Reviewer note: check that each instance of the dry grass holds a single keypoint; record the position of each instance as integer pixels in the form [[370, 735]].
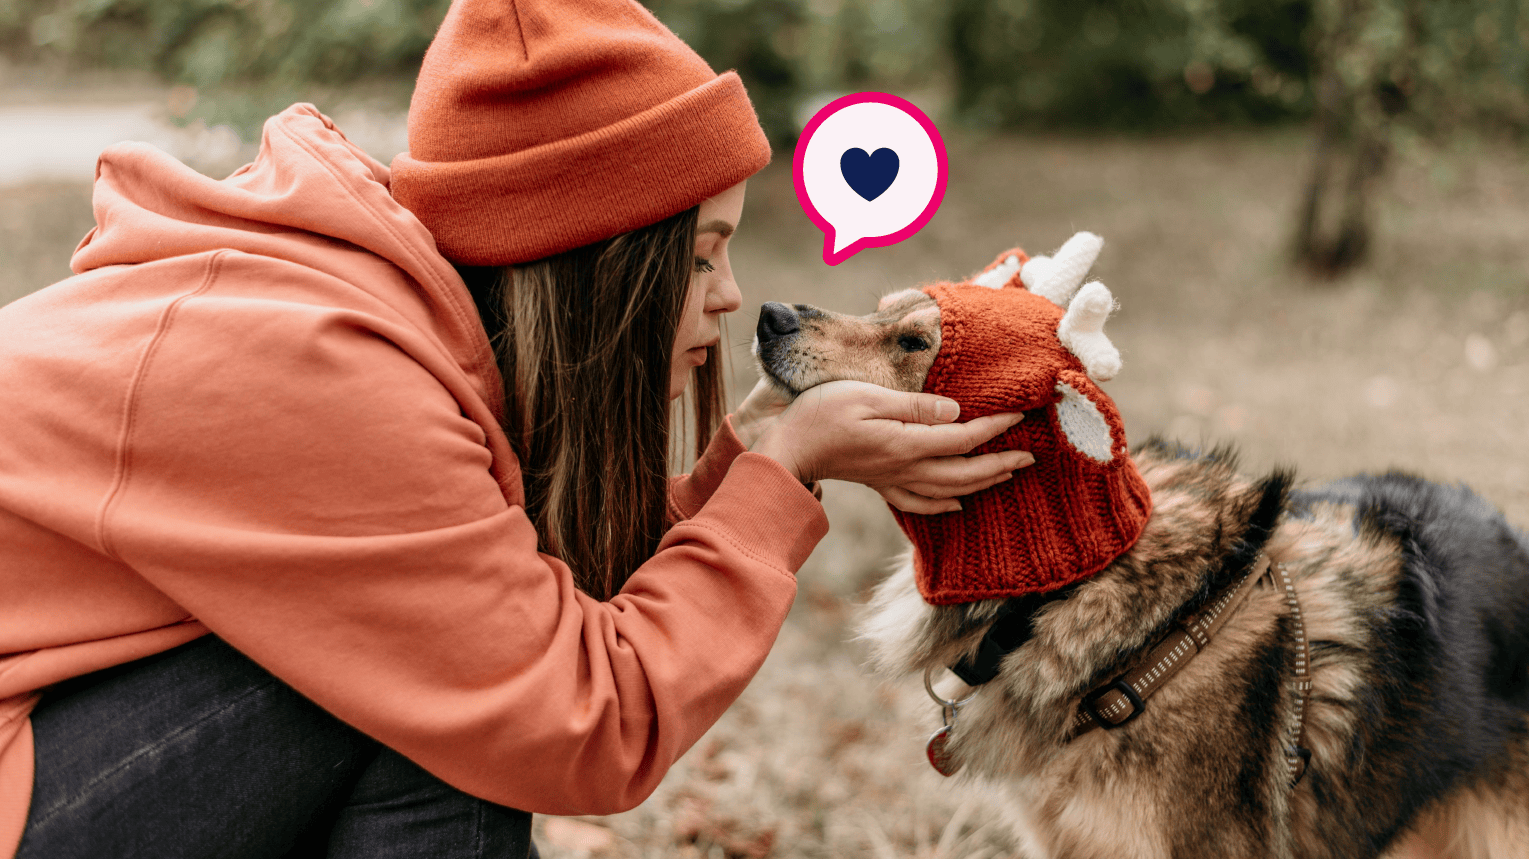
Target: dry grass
[[39, 228], [1419, 362]]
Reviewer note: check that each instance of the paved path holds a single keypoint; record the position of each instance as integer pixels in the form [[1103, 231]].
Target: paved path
[[60, 142]]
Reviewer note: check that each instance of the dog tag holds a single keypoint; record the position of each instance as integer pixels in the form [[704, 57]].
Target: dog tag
[[939, 755]]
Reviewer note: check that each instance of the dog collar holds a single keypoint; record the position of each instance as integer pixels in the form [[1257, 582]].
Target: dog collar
[[1011, 628], [1120, 701]]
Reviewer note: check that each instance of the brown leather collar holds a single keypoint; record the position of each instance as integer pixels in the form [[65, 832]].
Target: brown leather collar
[[1123, 699]]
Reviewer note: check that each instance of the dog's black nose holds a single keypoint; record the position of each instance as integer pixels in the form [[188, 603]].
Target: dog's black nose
[[776, 320]]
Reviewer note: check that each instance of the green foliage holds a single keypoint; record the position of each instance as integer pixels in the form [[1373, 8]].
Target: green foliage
[[1143, 64], [1137, 64], [761, 39], [211, 43], [1437, 64], [1156, 63], [246, 58], [1389, 72], [789, 51]]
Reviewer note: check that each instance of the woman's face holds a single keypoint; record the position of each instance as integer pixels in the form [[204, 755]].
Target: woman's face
[[712, 291]]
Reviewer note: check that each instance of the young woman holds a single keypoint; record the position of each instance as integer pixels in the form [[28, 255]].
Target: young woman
[[334, 508]]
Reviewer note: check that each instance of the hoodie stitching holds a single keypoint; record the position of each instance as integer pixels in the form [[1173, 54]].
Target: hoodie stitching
[[461, 318], [130, 408], [520, 30], [735, 543], [678, 513]]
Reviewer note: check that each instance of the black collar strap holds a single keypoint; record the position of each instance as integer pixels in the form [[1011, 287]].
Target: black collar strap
[[1011, 628], [1012, 624]]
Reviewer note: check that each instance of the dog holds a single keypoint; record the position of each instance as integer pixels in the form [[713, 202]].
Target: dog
[[1411, 630]]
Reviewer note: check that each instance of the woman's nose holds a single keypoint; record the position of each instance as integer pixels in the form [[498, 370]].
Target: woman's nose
[[723, 296]]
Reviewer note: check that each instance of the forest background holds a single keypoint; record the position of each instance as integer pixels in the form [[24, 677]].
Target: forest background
[[1315, 215]]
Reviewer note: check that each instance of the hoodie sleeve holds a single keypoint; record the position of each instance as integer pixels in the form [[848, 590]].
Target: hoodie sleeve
[[295, 476], [688, 493]]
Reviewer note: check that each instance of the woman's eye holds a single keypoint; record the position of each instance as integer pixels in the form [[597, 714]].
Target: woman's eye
[[913, 343], [703, 265]]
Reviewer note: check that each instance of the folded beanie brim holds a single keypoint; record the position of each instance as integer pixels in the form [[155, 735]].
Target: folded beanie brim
[[526, 205]]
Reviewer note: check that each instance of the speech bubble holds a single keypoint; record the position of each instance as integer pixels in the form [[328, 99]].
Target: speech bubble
[[870, 171]]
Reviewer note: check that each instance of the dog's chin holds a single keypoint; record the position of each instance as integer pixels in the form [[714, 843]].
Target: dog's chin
[[774, 377], [784, 387]]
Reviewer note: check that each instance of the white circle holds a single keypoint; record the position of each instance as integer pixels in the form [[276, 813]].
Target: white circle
[[869, 126]]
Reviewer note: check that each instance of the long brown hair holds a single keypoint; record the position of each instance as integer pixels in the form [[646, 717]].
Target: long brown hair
[[584, 341]]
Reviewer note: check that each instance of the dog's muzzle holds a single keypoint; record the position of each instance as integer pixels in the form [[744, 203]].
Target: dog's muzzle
[[776, 321], [777, 328]]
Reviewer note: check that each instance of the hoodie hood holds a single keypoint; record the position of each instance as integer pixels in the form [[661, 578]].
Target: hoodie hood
[[311, 198]]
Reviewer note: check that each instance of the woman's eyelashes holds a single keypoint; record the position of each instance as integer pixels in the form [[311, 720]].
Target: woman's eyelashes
[[703, 265]]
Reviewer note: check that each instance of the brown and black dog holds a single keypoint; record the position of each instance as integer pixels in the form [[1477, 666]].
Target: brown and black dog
[[1412, 598]]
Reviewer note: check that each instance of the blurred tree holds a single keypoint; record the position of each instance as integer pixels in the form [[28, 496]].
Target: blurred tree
[[207, 43], [762, 39], [1375, 75], [1135, 65], [792, 53], [1388, 72], [247, 58]]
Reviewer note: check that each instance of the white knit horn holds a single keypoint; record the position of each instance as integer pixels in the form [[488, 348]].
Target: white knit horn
[[1000, 274], [1082, 331], [1057, 277]]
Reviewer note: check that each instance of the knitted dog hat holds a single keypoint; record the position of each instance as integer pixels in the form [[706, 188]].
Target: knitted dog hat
[[1028, 335], [538, 126]]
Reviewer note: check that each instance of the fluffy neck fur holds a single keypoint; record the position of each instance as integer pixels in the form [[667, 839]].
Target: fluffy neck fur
[[1202, 509]]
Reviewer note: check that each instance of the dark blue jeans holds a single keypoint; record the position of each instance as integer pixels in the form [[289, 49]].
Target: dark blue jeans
[[199, 752]]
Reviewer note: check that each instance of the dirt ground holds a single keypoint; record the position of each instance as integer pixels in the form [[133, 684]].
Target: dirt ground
[[1419, 362]]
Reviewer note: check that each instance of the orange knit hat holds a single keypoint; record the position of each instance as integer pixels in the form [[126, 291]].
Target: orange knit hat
[[1004, 348], [538, 126]]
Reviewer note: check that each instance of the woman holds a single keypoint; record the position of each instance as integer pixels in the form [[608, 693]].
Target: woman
[[399, 442]]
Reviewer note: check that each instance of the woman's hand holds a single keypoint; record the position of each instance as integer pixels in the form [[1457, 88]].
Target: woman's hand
[[903, 445], [759, 410]]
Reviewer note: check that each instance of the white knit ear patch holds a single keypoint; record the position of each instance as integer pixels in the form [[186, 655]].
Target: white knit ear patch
[[1083, 424]]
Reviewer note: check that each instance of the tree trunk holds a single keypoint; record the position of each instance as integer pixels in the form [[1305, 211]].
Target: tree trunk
[[1334, 228], [1352, 138]]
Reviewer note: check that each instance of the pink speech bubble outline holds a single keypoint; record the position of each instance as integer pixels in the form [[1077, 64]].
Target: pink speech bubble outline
[[855, 247]]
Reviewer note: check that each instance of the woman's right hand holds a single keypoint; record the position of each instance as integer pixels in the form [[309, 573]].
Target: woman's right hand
[[902, 444]]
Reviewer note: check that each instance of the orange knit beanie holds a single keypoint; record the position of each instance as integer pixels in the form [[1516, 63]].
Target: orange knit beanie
[[1004, 348], [538, 126]]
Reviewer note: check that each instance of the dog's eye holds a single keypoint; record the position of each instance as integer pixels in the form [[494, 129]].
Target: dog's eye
[[913, 343]]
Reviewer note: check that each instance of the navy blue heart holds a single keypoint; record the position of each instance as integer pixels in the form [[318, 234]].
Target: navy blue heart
[[869, 175]]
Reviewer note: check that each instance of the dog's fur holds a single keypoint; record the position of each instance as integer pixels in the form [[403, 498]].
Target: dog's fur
[[1414, 601]]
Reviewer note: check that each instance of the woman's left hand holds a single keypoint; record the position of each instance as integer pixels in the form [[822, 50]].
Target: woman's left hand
[[759, 410], [888, 440]]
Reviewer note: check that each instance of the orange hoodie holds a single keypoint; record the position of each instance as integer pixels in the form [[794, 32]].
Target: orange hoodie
[[265, 407]]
